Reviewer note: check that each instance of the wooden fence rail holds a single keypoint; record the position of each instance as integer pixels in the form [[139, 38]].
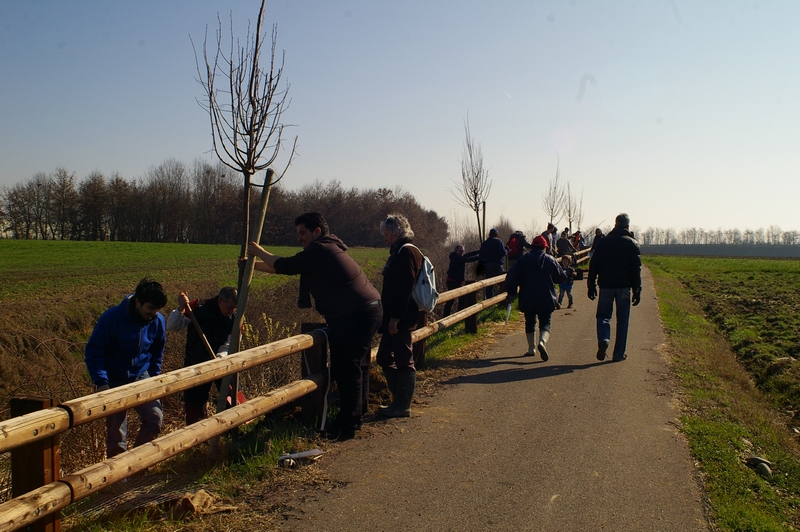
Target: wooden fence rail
[[30, 507], [26, 509]]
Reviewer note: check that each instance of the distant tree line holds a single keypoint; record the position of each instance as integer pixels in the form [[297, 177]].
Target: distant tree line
[[200, 203], [696, 236]]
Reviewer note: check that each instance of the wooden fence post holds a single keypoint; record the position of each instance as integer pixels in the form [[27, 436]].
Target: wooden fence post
[[314, 360], [35, 464], [418, 349], [467, 300]]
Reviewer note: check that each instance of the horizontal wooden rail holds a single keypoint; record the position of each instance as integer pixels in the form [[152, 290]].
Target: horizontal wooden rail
[[472, 287], [91, 407], [34, 505], [440, 325], [47, 423]]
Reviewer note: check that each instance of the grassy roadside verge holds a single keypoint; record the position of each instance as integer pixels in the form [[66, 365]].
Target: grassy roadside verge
[[727, 419]]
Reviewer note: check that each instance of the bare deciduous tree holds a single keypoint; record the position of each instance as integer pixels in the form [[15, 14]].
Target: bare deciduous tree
[[475, 185], [245, 110], [573, 208], [245, 113], [64, 203], [554, 197], [92, 206]]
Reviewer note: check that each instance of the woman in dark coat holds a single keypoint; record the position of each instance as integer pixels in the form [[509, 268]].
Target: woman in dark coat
[[456, 273], [400, 315], [534, 275]]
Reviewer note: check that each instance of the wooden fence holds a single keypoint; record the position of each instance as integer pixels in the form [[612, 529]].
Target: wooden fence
[[37, 499]]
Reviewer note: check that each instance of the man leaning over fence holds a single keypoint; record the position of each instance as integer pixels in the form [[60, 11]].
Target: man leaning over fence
[[127, 345], [348, 301]]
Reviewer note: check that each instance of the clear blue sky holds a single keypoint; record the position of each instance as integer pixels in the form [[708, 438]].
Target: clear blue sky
[[681, 113]]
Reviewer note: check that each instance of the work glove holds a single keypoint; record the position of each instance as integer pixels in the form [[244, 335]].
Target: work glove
[[637, 297], [223, 349], [592, 292]]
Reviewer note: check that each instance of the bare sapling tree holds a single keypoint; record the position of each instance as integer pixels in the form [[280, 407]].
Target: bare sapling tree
[[474, 188], [554, 198], [573, 208], [245, 102]]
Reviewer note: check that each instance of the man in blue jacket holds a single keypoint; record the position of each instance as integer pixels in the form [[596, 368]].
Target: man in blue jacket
[[127, 345], [533, 276]]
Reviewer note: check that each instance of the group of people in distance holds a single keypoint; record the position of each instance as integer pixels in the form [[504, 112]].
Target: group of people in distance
[[615, 264], [128, 341]]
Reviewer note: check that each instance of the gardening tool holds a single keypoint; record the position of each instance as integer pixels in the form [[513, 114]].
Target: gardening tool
[[239, 395]]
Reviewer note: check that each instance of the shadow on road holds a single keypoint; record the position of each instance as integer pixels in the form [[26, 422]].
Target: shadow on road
[[522, 368]]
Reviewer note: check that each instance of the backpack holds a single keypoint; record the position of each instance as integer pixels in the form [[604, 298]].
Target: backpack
[[513, 246], [424, 293]]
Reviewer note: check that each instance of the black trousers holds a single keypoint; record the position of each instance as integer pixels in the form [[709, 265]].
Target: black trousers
[[350, 337], [448, 306]]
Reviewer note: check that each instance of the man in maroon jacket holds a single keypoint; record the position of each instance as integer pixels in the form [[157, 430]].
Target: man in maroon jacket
[[348, 301]]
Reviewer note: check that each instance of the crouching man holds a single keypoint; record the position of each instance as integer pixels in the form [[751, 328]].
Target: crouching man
[[215, 317], [127, 345]]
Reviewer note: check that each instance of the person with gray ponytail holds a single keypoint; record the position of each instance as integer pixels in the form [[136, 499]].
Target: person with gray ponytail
[[400, 314]]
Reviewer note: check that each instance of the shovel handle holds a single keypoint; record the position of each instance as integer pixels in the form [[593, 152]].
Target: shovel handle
[[199, 330]]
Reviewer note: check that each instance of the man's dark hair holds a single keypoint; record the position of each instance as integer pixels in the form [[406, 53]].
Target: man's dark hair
[[229, 293], [149, 291], [312, 220], [623, 221]]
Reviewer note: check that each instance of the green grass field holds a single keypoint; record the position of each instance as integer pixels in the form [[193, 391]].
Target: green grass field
[[37, 269], [732, 329]]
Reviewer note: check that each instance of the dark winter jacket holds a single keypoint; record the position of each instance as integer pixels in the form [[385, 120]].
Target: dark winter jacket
[[492, 251], [616, 261], [216, 329], [569, 271], [533, 276], [456, 271], [564, 247], [331, 276], [120, 349], [399, 277]]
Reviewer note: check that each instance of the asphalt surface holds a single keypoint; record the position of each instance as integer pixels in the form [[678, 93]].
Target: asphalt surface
[[516, 443]]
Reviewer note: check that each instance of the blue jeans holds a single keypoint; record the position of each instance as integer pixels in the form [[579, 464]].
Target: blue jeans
[[605, 308], [565, 288], [151, 416]]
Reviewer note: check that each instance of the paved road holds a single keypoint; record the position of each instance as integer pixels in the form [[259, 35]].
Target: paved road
[[571, 444]]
